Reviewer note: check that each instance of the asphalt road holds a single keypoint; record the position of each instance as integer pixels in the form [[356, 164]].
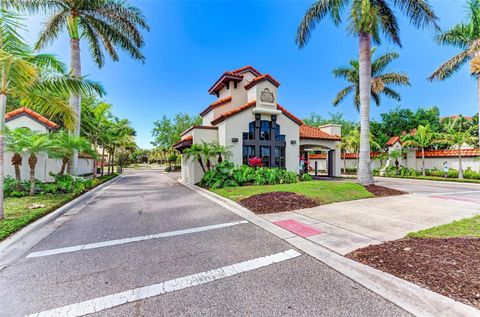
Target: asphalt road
[[145, 203], [438, 189]]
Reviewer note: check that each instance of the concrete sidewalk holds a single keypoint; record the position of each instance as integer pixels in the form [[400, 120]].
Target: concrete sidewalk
[[348, 226]]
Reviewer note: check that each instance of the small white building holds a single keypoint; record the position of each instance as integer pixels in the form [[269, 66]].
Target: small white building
[[27, 118], [247, 118]]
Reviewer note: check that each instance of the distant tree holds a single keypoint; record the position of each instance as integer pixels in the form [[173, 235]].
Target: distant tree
[[466, 37], [383, 81], [166, 131], [422, 138], [335, 117]]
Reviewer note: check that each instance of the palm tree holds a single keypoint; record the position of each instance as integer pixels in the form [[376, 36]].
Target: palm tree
[[422, 139], [31, 78], [381, 80], [107, 25], [36, 143], [368, 18], [456, 137], [195, 151], [15, 143], [65, 144], [466, 37]]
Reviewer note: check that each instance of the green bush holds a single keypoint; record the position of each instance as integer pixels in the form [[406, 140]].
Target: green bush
[[226, 174], [306, 177], [9, 186]]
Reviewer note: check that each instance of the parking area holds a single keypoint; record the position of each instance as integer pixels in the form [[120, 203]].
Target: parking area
[[148, 246]]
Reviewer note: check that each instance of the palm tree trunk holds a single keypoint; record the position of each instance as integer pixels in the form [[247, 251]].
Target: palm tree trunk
[[365, 172], [103, 161], [201, 164], [113, 160], [460, 168], [32, 162], [423, 161], [75, 99], [478, 104], [17, 162], [3, 105], [94, 172], [65, 161]]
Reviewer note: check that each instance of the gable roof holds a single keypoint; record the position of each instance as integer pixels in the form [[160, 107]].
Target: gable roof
[[245, 69], [393, 140], [234, 75], [32, 114], [309, 132], [251, 104], [216, 104], [184, 142], [258, 79]]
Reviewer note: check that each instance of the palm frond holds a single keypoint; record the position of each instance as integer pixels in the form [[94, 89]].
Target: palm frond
[[52, 29], [93, 39], [48, 62], [376, 98], [343, 72], [400, 79], [450, 67], [342, 94], [389, 92], [458, 36], [315, 14], [381, 63], [388, 22], [59, 84], [419, 12]]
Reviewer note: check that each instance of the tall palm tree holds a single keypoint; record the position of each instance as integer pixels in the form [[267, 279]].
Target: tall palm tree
[[422, 139], [466, 37], [107, 25], [15, 143], [368, 18], [382, 81], [36, 143], [31, 78], [65, 144], [456, 137]]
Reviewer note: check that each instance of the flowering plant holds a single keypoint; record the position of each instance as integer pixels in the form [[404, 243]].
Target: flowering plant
[[255, 162]]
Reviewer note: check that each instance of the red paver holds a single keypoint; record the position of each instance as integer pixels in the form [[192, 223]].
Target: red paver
[[298, 227]]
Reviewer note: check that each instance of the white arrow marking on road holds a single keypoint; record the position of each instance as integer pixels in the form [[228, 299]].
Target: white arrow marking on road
[[105, 302], [133, 239]]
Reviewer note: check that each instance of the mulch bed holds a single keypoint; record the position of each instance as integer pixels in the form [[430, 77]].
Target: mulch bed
[[380, 191], [449, 266], [277, 202]]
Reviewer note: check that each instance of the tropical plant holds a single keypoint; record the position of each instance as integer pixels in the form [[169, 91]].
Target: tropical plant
[[195, 152], [382, 81], [107, 25], [368, 18], [397, 155], [456, 138], [15, 143], [33, 79], [422, 138], [65, 144], [466, 37], [36, 143]]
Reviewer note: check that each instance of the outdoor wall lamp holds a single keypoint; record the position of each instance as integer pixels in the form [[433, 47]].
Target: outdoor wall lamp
[[234, 140], [293, 142]]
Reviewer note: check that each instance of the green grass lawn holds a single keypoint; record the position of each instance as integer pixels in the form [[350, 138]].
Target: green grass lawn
[[325, 192], [17, 215], [469, 227]]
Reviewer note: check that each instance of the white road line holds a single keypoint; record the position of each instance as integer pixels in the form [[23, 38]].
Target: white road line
[[105, 302], [133, 239]]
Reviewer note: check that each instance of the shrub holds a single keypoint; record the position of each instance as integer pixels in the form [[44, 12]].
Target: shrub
[[9, 186], [226, 174], [255, 162], [306, 177]]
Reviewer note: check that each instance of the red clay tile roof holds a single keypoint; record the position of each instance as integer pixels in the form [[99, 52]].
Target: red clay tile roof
[[216, 104], [24, 110], [393, 140], [317, 156], [244, 69], [449, 153], [309, 132], [227, 76], [198, 127], [184, 142], [234, 111], [357, 155], [289, 114], [258, 79]]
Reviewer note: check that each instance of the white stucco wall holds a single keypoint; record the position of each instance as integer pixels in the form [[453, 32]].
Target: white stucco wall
[[24, 121]]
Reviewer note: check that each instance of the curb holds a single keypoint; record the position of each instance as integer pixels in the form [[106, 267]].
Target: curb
[[406, 295], [14, 246]]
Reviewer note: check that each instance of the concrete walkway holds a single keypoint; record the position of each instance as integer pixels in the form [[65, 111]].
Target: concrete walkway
[[348, 226]]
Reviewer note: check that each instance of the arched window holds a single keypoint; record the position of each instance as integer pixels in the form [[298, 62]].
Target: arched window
[[264, 140]]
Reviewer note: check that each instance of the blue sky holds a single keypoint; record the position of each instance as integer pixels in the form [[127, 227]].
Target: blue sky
[[192, 42]]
